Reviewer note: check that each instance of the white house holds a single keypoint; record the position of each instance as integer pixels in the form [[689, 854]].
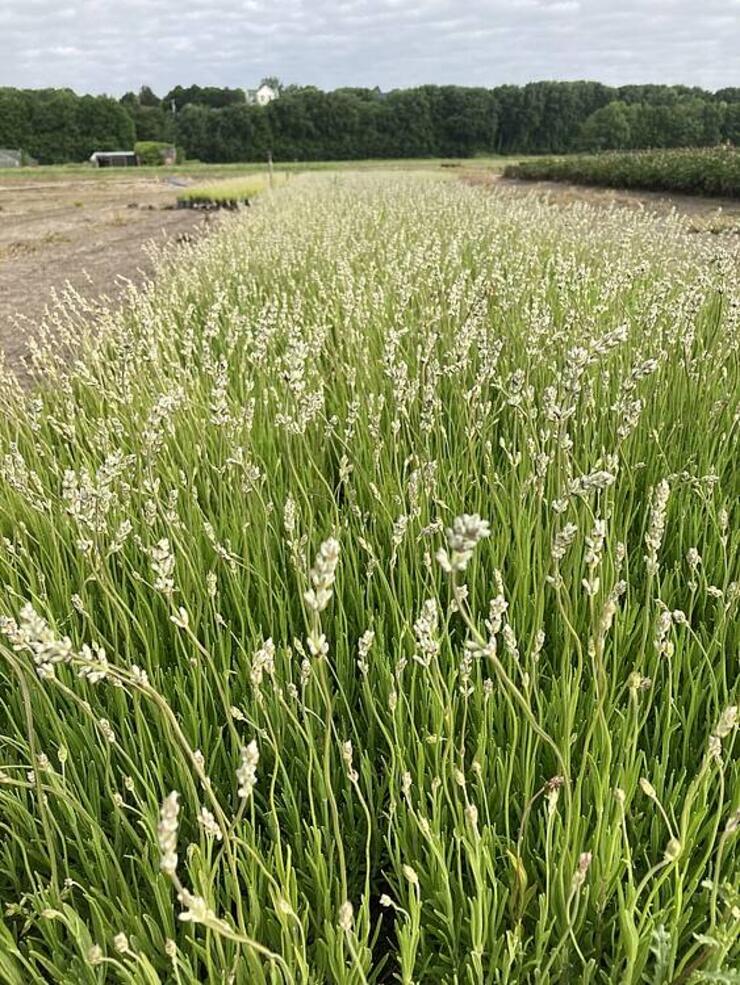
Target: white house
[[262, 96]]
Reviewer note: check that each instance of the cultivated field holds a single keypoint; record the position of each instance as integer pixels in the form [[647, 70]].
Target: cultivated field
[[370, 610], [84, 232], [90, 231], [691, 171]]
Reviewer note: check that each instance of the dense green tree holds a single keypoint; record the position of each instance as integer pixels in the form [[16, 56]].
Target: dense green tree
[[607, 128], [464, 120], [213, 96], [562, 107], [689, 122], [102, 124], [291, 124], [655, 93], [148, 98], [240, 133], [408, 124], [54, 136], [154, 123], [152, 117], [15, 119], [731, 124], [193, 132], [217, 124], [508, 100]]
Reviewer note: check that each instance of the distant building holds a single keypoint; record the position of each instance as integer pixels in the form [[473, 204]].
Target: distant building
[[262, 96], [114, 159], [10, 158]]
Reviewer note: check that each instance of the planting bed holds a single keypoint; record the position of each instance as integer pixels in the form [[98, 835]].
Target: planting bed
[[369, 610], [700, 171]]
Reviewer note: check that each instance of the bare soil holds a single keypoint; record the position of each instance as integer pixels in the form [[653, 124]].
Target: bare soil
[[82, 232], [710, 215]]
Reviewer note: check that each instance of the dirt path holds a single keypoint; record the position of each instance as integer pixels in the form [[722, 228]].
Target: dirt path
[[708, 214], [82, 232]]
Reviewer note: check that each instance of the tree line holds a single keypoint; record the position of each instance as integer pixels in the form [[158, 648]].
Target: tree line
[[215, 124]]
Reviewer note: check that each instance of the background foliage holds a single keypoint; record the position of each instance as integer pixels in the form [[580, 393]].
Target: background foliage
[[705, 171], [220, 125]]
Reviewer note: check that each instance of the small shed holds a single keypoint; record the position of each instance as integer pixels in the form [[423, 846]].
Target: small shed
[[10, 158], [114, 159]]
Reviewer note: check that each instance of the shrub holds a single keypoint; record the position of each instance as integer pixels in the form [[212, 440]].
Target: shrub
[[153, 152], [708, 171]]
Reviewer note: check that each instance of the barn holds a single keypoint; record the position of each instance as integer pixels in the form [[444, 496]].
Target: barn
[[114, 159]]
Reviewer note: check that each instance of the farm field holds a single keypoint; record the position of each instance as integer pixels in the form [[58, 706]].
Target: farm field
[[370, 611], [718, 215], [90, 229], [713, 171], [79, 232], [196, 169]]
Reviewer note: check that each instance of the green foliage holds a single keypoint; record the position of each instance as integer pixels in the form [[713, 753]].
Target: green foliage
[[211, 96], [709, 171], [621, 125], [608, 128], [305, 124], [222, 516], [55, 125], [540, 118], [101, 125], [232, 192], [152, 117], [152, 151], [15, 119], [732, 123]]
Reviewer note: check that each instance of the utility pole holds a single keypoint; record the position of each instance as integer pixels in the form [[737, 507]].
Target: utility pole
[[269, 167]]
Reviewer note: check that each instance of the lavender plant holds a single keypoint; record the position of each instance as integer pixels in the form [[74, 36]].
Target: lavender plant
[[370, 593]]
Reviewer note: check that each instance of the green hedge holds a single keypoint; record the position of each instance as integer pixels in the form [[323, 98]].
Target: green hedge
[[152, 151], [706, 171]]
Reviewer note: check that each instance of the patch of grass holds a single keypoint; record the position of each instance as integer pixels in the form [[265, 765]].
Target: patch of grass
[[370, 590], [54, 236], [196, 169], [230, 194], [696, 171]]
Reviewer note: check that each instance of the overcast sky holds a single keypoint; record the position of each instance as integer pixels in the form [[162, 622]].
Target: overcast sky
[[115, 45]]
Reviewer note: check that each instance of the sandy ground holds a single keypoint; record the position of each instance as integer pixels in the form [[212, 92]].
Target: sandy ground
[[84, 232], [713, 215]]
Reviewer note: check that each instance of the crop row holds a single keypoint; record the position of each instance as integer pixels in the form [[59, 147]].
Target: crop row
[[369, 609], [710, 171]]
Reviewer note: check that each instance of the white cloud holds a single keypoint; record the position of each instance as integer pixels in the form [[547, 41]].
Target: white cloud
[[95, 45]]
